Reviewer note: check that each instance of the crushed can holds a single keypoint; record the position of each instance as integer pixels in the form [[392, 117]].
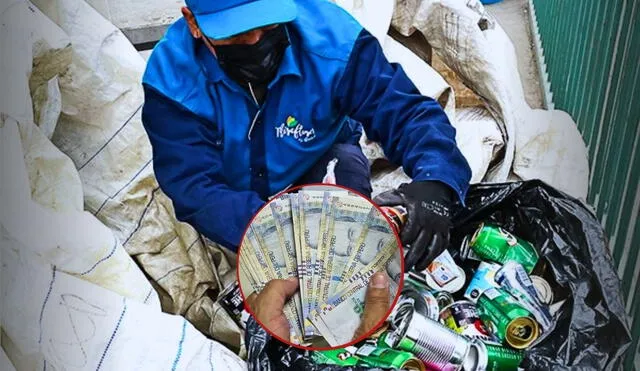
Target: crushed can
[[424, 301], [514, 280], [444, 299], [230, 299], [496, 357], [545, 293], [483, 279], [433, 343], [493, 243], [338, 357], [372, 355], [466, 252], [507, 319], [397, 215], [462, 318]]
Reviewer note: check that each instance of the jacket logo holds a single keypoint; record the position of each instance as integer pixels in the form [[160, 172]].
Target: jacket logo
[[292, 128]]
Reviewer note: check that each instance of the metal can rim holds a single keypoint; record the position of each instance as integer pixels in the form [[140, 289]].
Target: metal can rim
[[414, 364], [476, 234], [464, 301], [521, 343], [546, 289]]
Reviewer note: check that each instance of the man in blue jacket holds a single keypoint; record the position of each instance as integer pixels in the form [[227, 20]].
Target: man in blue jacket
[[244, 98]]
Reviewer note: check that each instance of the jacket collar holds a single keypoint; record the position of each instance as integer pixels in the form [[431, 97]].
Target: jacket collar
[[215, 73]]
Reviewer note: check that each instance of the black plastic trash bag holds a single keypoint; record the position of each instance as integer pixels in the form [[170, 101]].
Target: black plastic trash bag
[[269, 354], [591, 328]]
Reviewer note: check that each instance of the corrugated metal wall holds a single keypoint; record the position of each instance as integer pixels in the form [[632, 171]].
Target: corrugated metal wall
[[592, 52]]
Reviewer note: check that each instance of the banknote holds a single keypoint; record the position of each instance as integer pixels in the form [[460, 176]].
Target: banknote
[[310, 206], [338, 318], [281, 211], [297, 235], [255, 260], [346, 222], [320, 273], [266, 233], [333, 242], [247, 280], [375, 233]]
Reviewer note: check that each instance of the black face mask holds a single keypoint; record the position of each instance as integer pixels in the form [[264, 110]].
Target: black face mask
[[257, 63]]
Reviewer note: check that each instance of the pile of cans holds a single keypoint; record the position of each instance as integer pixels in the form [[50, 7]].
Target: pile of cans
[[479, 315]]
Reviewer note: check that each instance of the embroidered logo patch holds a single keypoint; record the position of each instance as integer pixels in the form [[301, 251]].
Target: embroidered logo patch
[[292, 128]]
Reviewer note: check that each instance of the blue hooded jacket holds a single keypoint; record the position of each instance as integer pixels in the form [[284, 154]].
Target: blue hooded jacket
[[218, 158]]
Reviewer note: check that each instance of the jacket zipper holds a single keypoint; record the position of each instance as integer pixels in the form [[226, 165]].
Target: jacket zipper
[[255, 118]]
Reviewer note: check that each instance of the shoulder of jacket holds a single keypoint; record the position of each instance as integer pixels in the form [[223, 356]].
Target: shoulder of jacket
[[172, 68], [326, 30]]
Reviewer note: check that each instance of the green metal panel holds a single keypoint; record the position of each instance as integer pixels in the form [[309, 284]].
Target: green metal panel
[[592, 52]]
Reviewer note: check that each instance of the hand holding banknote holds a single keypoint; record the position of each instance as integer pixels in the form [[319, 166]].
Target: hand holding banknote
[[268, 306], [376, 304], [332, 243]]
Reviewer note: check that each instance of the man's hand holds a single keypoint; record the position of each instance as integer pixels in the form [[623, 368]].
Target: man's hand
[[426, 232], [267, 306], [376, 304]]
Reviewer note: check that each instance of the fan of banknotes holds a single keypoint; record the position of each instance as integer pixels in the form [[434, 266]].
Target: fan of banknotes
[[333, 242]]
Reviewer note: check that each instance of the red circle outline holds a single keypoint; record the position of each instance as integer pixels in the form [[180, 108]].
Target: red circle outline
[[382, 320]]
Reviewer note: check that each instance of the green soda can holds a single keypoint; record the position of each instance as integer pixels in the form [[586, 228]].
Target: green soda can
[[494, 243], [497, 358], [385, 340], [501, 358], [383, 357], [508, 320], [339, 357]]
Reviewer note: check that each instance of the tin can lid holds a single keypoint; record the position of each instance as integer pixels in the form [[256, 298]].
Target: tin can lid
[[545, 293], [521, 332], [414, 364], [477, 358]]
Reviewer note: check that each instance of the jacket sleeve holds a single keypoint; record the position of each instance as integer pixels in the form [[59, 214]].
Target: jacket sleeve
[[413, 129], [187, 160]]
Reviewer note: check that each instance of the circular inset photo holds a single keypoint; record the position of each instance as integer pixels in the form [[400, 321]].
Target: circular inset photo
[[320, 267]]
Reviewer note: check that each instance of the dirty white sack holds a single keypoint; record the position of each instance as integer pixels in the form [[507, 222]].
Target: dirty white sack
[[66, 323], [474, 45], [100, 129], [478, 136], [45, 232], [479, 139]]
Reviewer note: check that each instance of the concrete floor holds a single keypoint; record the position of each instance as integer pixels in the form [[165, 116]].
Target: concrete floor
[[146, 22]]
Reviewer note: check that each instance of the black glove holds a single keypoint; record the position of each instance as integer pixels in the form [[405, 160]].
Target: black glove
[[426, 231]]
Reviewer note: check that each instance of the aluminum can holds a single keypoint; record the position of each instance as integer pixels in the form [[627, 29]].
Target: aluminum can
[[386, 339], [462, 317], [397, 215], [483, 279], [514, 280], [230, 299], [497, 358], [545, 293], [423, 300], [444, 299], [434, 344], [466, 252], [507, 319], [374, 356], [496, 244], [339, 357]]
